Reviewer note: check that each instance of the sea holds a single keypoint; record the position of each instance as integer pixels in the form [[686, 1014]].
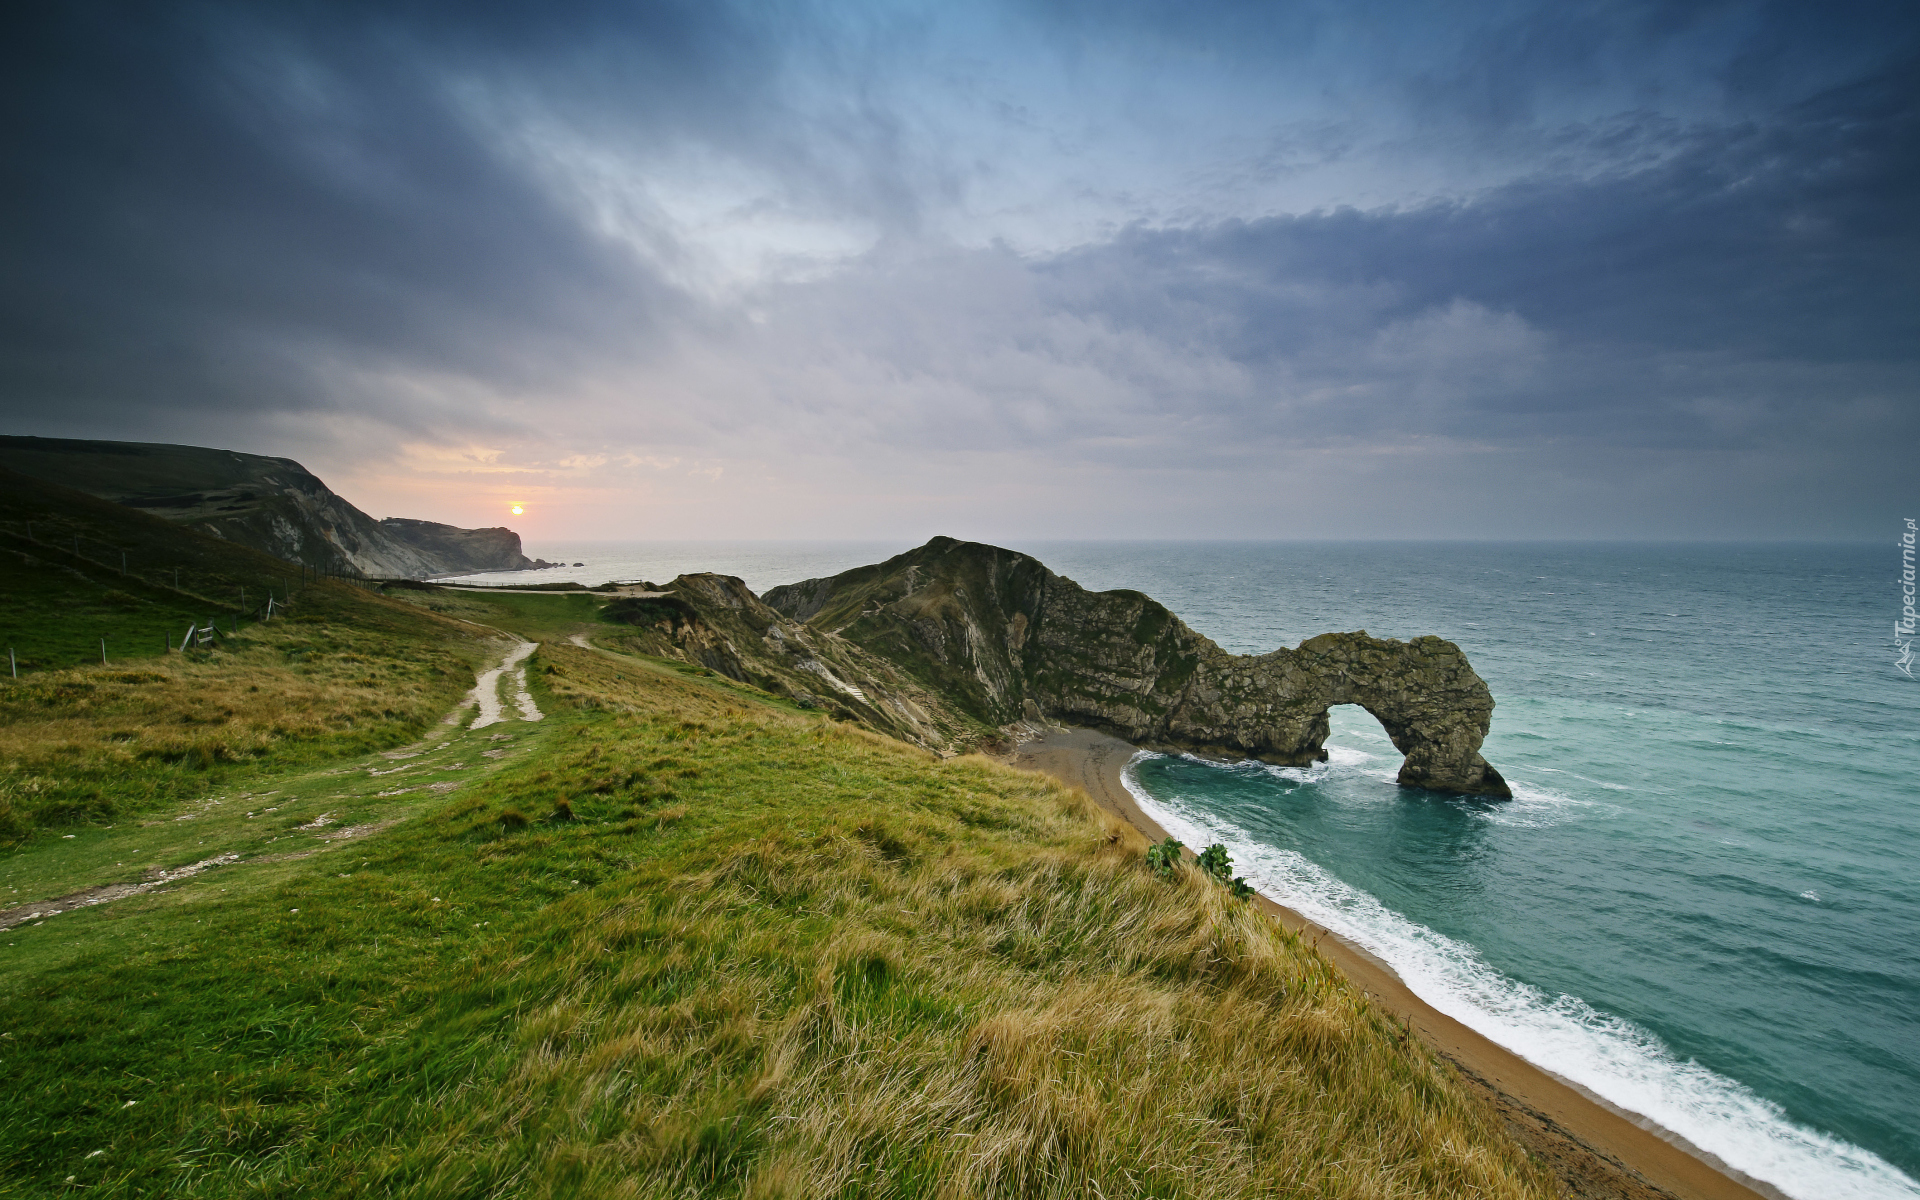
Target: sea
[[1703, 902]]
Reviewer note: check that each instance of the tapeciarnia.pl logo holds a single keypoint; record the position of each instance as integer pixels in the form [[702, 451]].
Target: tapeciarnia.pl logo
[[1903, 628]]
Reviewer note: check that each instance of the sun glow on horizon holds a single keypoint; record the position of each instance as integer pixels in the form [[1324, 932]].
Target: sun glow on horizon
[[517, 510]]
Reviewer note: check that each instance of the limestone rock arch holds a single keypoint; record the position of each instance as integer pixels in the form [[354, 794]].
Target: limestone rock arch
[[1435, 708], [992, 631]]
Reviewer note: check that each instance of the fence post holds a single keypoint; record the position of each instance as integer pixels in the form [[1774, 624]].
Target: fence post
[[103, 652], [13, 662], [186, 639]]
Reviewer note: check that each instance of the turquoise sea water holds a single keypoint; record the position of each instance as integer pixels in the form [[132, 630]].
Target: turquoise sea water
[[1703, 903]]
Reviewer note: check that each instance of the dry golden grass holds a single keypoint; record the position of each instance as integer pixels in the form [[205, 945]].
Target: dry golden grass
[[875, 974]]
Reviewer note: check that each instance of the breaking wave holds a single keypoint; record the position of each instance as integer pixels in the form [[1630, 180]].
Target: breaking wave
[[1613, 1058]]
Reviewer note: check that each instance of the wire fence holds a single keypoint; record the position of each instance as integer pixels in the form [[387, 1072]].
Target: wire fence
[[270, 596], [265, 600]]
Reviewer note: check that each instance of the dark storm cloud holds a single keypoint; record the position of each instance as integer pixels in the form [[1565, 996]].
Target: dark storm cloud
[[1789, 247], [1729, 289], [1596, 230], [201, 200]]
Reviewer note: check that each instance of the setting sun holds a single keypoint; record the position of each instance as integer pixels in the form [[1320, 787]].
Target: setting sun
[[517, 510]]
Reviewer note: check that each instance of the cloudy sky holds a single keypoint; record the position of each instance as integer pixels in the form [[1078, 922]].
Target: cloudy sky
[[1300, 268]]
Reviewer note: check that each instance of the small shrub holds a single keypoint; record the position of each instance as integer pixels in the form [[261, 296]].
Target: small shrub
[[1215, 861], [1164, 857], [562, 811], [513, 818]]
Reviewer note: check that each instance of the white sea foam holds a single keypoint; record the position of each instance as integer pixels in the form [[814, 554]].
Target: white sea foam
[[1535, 807], [1531, 807], [1611, 1057], [1343, 756]]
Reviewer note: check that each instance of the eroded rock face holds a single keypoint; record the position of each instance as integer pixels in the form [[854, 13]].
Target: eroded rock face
[[991, 631], [714, 621]]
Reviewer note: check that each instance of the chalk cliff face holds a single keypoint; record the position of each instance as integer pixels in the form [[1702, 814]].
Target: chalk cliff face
[[999, 636], [270, 504], [713, 621]]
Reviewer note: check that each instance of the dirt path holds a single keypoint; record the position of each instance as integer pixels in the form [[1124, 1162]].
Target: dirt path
[[87, 897], [486, 689], [486, 695]]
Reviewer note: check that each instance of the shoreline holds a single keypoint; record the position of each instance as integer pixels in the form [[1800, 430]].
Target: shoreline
[[1594, 1148]]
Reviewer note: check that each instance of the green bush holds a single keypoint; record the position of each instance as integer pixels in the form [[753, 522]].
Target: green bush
[[1215, 861], [1164, 857]]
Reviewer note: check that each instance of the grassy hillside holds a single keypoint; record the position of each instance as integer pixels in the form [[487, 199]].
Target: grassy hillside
[[535, 617], [679, 937], [343, 671], [684, 942], [136, 470]]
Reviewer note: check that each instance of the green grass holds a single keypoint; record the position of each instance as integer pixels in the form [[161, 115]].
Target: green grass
[[98, 745], [341, 672], [58, 609], [766, 955], [59, 601], [551, 618]]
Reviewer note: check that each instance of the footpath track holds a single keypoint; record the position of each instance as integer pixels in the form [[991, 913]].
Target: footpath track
[[253, 828]]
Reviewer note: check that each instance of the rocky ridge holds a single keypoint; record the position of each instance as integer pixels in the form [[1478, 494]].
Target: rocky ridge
[[715, 622], [1001, 638]]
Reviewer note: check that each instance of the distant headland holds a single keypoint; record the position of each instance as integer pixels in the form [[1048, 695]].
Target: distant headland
[[273, 505]]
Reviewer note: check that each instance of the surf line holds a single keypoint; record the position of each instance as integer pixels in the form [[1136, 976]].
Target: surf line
[[1713, 1118]]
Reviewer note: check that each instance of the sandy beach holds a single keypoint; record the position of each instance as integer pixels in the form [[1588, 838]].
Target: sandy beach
[[1595, 1149]]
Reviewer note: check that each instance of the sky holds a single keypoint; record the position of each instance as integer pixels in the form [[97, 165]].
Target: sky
[[1057, 269]]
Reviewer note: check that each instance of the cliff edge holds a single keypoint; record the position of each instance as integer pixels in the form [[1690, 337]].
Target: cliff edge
[[1000, 637]]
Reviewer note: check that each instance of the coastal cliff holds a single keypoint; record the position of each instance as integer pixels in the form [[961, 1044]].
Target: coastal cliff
[[270, 504], [458, 550], [1000, 638]]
